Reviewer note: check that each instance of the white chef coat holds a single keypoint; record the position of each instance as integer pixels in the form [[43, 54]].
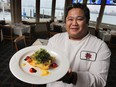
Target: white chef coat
[[89, 58]]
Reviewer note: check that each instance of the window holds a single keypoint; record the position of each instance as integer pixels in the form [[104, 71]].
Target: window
[[94, 7], [5, 10], [109, 16], [109, 13], [59, 10], [45, 10], [94, 12], [28, 10]]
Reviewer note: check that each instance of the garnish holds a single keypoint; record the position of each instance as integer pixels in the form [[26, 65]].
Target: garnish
[[54, 65], [32, 70], [28, 59], [43, 60], [42, 56]]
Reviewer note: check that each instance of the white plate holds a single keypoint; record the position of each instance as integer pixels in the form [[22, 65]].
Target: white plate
[[23, 74]]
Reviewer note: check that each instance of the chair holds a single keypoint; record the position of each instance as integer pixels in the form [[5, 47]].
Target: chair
[[2, 22], [20, 43], [30, 36], [26, 22], [41, 30], [112, 42], [105, 29], [0, 34], [8, 33], [92, 30], [56, 29]]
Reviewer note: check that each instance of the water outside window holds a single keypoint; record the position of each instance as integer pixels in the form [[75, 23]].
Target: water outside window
[[94, 12], [59, 10], [5, 11], [45, 10], [109, 16], [109, 12], [28, 10]]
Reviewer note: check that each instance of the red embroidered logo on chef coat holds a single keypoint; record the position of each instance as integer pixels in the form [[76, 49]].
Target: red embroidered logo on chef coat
[[88, 55]]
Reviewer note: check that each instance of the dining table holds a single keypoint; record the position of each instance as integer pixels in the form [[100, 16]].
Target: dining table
[[40, 42], [20, 29], [106, 35], [58, 24]]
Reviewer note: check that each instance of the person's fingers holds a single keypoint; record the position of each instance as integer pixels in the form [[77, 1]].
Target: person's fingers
[[70, 70]]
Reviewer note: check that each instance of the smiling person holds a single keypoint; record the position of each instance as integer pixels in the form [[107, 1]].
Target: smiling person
[[89, 56]]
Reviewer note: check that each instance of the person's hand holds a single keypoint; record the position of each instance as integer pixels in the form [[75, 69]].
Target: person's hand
[[70, 77]]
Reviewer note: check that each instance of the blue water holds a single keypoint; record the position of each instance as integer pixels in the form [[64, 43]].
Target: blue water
[[59, 13], [108, 19]]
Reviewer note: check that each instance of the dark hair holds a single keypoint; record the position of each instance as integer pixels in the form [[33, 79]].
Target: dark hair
[[81, 6]]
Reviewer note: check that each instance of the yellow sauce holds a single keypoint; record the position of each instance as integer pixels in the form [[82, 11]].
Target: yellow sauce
[[23, 64], [45, 72], [40, 65], [44, 67]]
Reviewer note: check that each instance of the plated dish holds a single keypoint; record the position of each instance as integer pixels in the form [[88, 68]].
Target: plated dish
[[23, 69]]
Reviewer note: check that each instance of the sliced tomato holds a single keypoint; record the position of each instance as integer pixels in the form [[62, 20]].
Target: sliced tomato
[[28, 59], [32, 70], [54, 65]]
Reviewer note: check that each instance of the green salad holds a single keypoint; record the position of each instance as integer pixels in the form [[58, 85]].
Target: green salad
[[42, 56]]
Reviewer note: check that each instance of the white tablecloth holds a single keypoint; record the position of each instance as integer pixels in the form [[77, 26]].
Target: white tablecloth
[[40, 42], [113, 32], [59, 24], [20, 29], [104, 35]]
